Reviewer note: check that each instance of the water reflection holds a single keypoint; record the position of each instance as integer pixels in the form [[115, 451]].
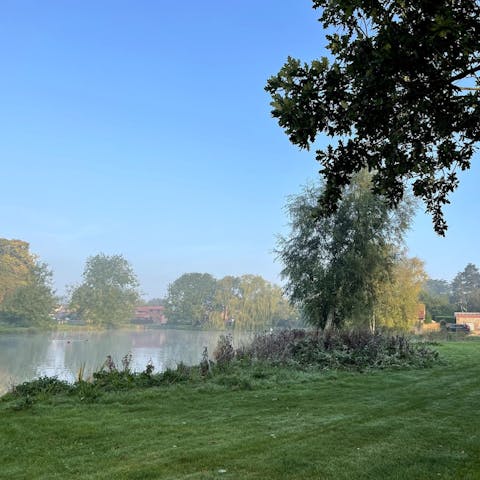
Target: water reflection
[[54, 362], [62, 354]]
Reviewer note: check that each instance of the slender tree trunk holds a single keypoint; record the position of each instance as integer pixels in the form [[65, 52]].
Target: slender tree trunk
[[330, 318]]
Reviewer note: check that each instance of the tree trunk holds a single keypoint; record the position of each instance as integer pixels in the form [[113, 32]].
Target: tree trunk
[[330, 319]]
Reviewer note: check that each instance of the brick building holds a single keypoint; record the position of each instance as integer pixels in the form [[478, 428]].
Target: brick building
[[472, 319], [150, 314]]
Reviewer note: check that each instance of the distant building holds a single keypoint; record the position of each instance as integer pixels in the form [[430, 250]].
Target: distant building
[[422, 312], [472, 319], [420, 318], [62, 315], [150, 314]]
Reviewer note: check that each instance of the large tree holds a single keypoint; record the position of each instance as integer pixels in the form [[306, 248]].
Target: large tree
[[435, 286], [334, 265], [258, 304], [16, 264], [466, 289], [227, 296], [250, 302], [190, 299], [109, 291], [398, 95], [26, 292]]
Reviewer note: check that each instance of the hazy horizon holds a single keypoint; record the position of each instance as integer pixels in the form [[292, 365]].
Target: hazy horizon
[[143, 129]]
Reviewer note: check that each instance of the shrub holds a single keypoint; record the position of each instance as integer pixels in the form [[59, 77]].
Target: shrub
[[113, 380], [88, 392], [24, 403], [42, 385], [181, 373], [348, 349], [274, 347], [236, 369], [224, 352]]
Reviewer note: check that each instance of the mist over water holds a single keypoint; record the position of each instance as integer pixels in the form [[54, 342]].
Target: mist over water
[[62, 354]]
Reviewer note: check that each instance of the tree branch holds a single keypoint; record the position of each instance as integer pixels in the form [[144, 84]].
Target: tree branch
[[464, 74]]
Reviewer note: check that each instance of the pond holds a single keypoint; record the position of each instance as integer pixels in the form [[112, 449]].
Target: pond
[[62, 354]]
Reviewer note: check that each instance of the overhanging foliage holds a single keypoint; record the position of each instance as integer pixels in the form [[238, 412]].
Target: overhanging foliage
[[399, 97]]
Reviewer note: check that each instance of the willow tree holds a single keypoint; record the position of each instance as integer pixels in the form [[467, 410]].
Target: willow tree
[[250, 302], [334, 265], [398, 95], [397, 302], [256, 303]]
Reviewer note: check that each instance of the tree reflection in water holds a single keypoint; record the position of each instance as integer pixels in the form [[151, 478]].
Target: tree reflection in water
[[62, 354]]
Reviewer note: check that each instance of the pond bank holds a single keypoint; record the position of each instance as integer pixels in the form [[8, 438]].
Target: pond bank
[[281, 424], [62, 353]]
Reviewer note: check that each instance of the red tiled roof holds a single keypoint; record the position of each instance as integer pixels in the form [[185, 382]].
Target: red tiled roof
[[467, 315]]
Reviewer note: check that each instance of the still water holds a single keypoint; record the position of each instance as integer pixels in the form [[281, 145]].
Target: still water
[[62, 354]]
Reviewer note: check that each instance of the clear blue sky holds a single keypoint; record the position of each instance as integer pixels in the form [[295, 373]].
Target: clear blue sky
[[142, 128]]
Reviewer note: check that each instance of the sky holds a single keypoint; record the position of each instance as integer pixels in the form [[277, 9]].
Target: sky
[[142, 128]]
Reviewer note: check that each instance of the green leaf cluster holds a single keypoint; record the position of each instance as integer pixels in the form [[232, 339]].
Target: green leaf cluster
[[400, 97], [109, 291], [26, 293], [337, 268], [248, 302]]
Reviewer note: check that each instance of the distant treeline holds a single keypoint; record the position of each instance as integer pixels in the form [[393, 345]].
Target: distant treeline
[[109, 292], [247, 302], [462, 294]]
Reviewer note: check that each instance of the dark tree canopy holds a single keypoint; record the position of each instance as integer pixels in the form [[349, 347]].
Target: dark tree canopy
[[400, 97]]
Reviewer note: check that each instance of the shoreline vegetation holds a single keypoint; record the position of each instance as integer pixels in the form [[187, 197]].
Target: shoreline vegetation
[[288, 406], [297, 349]]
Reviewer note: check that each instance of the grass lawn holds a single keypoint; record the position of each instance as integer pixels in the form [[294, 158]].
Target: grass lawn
[[280, 424]]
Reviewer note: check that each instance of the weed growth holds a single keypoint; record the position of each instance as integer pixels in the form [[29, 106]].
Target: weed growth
[[42, 385], [332, 349], [224, 353]]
